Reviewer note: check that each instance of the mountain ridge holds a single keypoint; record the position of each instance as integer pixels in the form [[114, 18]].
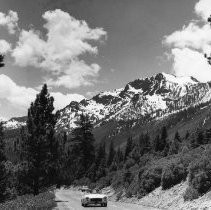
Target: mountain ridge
[[157, 95], [144, 98]]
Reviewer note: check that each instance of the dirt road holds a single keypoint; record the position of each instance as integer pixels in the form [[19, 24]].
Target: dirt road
[[71, 200]]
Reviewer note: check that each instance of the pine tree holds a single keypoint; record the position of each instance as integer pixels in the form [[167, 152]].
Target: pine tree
[[64, 141], [120, 157], [177, 137], [129, 147], [156, 143], [166, 149], [2, 144], [135, 154], [100, 162], [187, 135], [117, 161], [111, 154], [193, 143], [82, 146], [3, 175], [199, 138], [23, 139], [41, 147], [174, 147], [207, 137], [163, 139], [144, 143], [100, 154], [160, 143]]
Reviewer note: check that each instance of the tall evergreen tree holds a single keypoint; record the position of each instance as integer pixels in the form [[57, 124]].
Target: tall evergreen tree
[[160, 143], [2, 144], [193, 143], [136, 153], [119, 155], [41, 147], [64, 141], [144, 143], [100, 161], [23, 139], [100, 154], [111, 153], [156, 143], [207, 137], [82, 146], [200, 137], [187, 135], [174, 146], [117, 161], [163, 139], [3, 178], [129, 147], [177, 137]]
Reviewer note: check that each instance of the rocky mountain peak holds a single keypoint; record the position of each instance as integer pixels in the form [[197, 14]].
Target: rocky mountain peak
[[154, 96]]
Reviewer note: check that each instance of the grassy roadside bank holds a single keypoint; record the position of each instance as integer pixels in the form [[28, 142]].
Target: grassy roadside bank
[[43, 201]]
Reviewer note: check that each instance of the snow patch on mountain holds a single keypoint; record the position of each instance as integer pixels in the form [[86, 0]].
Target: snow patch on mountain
[[180, 80], [14, 124]]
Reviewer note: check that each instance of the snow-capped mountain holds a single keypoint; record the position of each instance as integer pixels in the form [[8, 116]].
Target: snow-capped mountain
[[14, 123], [153, 97]]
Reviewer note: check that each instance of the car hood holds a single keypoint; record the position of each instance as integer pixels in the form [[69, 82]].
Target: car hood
[[95, 196]]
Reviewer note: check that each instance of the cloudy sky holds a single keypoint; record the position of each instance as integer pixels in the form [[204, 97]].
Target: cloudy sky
[[81, 47]]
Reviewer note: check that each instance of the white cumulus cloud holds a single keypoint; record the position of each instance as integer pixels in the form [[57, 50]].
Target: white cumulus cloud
[[5, 46], [9, 20], [191, 63], [202, 8], [189, 45], [58, 52], [20, 97], [192, 36]]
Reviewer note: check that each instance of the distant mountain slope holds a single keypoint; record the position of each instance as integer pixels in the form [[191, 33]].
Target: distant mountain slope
[[140, 104], [148, 98], [15, 123]]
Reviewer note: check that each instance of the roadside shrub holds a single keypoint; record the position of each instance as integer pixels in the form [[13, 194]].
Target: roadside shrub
[[82, 181], [118, 179], [128, 194], [190, 194], [150, 179], [104, 182], [133, 188], [200, 175], [173, 174], [23, 184]]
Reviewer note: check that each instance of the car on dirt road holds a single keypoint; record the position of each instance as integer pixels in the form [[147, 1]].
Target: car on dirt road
[[85, 189], [94, 199]]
